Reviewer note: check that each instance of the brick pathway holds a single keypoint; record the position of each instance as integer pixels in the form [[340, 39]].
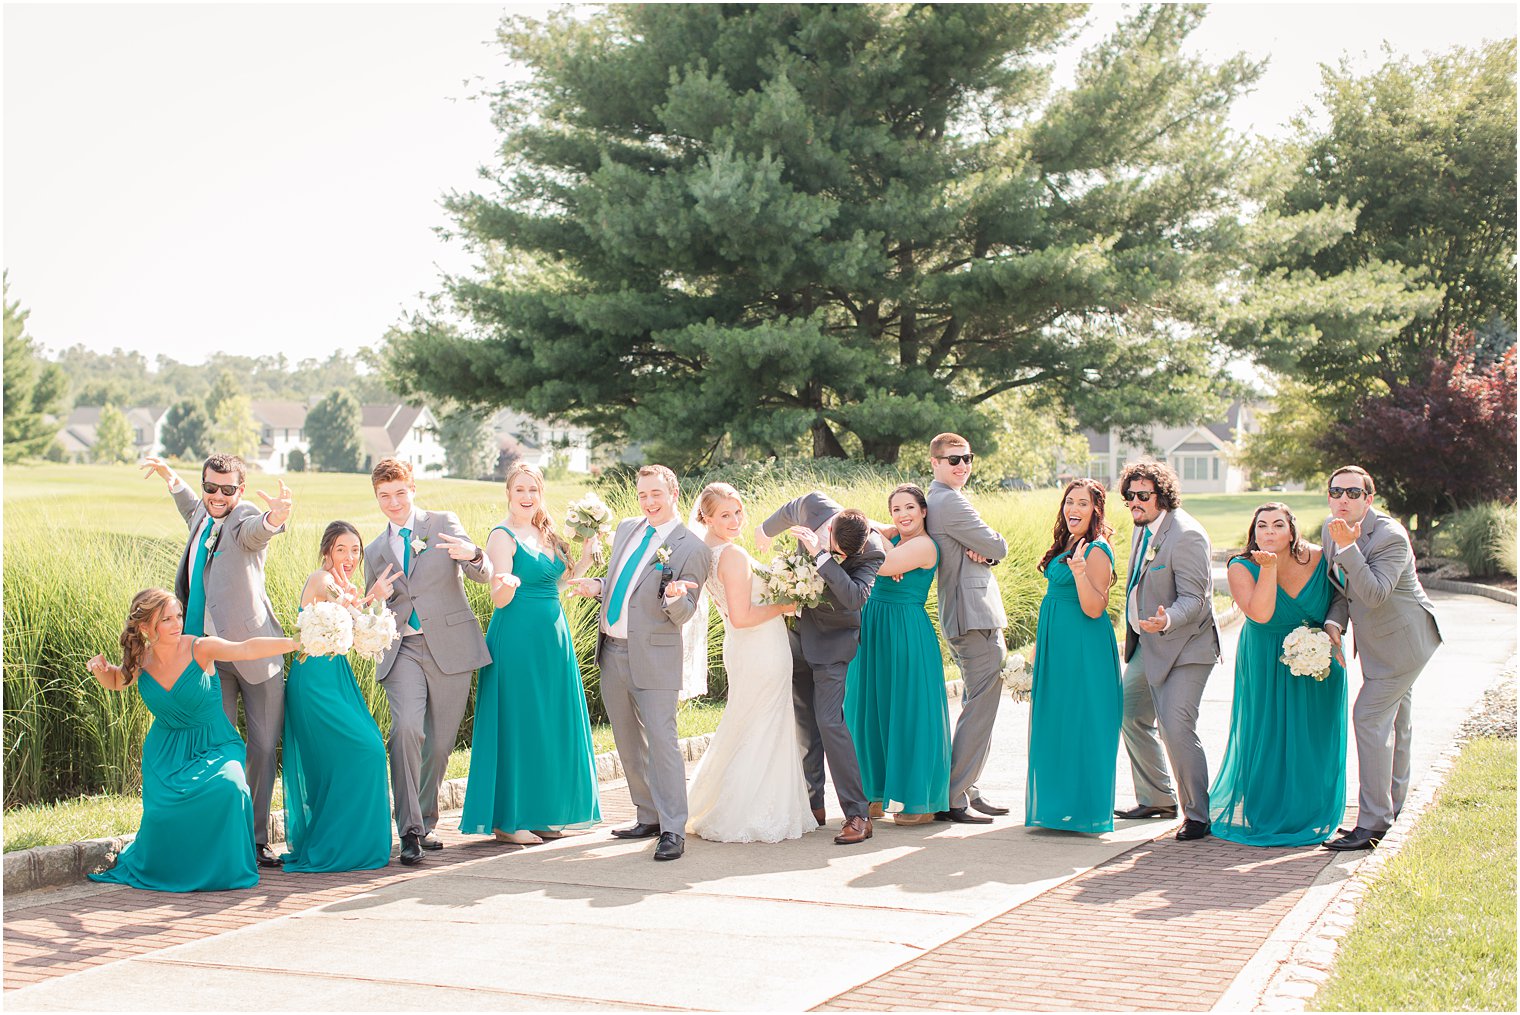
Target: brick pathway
[[58, 932], [1179, 919]]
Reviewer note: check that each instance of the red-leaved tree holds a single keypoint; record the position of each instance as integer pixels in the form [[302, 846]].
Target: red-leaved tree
[[1441, 443]]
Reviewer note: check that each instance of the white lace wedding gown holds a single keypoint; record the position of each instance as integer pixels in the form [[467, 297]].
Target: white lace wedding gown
[[748, 786]]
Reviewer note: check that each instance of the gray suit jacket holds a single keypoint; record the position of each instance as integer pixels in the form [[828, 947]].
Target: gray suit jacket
[[1179, 576], [435, 591], [234, 579], [1394, 619], [654, 626], [830, 633], [969, 597]]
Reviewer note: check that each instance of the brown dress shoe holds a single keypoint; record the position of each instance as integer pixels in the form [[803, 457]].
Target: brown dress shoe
[[818, 815], [913, 819], [855, 830], [875, 811]]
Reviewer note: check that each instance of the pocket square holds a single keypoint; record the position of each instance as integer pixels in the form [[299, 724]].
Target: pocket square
[[1159, 567]]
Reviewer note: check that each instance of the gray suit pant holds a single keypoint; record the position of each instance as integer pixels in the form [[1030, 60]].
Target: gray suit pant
[[427, 706], [1381, 721], [1171, 707], [818, 702], [980, 656], [644, 728], [264, 708]]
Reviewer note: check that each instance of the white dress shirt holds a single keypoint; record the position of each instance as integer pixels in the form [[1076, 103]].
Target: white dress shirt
[[661, 533], [1138, 566]]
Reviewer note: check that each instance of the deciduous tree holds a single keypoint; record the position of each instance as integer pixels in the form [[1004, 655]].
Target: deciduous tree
[[332, 427]]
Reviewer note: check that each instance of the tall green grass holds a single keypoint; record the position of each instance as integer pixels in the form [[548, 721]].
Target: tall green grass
[[74, 560], [1483, 538]]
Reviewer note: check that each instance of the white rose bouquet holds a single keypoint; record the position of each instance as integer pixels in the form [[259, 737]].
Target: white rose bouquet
[[793, 578], [374, 631], [1017, 677], [327, 629], [590, 518], [1306, 652]]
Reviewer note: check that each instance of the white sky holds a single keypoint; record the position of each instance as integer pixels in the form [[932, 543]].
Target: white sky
[[191, 178]]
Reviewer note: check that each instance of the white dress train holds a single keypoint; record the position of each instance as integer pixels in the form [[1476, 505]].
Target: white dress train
[[748, 786]]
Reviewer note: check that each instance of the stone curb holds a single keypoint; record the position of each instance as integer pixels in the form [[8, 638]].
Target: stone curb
[[1472, 589], [27, 870], [1288, 970]]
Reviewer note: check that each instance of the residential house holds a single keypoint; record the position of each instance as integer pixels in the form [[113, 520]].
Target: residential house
[[407, 432], [1204, 454], [282, 429], [543, 443], [77, 435]]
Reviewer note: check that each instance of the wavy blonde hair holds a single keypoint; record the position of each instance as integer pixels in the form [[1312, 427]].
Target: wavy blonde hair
[[542, 521], [146, 610]]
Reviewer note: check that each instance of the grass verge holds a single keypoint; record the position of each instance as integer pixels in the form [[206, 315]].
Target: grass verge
[[1436, 931], [103, 815]]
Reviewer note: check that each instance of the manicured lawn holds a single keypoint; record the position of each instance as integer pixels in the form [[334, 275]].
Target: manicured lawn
[[1227, 515], [1437, 930]]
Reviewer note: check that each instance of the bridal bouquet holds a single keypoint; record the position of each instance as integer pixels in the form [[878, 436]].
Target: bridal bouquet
[[590, 517], [1306, 651], [374, 631], [1017, 677], [327, 629], [793, 578]]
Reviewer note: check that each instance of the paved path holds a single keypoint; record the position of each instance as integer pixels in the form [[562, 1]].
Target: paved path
[[936, 916]]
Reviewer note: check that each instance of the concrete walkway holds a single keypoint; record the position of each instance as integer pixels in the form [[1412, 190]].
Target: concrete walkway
[[939, 916]]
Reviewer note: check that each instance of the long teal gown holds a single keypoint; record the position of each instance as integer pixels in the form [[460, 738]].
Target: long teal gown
[[1075, 705], [337, 798], [532, 765], [1283, 779], [894, 698], [197, 824]]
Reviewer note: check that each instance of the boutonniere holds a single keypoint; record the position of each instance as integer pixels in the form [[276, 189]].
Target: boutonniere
[[661, 558], [1150, 555], [418, 545], [212, 534]]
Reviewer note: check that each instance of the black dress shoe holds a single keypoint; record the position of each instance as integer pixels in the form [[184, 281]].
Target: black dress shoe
[[264, 856], [1145, 811], [638, 831], [1191, 830], [961, 816], [978, 804], [430, 841], [671, 846], [1357, 838], [821, 816], [411, 849]]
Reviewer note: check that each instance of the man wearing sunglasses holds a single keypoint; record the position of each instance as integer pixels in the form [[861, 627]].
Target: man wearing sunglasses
[[971, 617], [1171, 644], [220, 585], [1372, 562]]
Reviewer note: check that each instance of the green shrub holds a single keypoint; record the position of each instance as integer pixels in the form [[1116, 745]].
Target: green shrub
[[1483, 538]]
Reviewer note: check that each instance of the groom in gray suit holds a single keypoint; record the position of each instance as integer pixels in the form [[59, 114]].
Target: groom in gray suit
[[824, 641], [654, 577], [1171, 644], [416, 564], [972, 618], [220, 586], [1395, 634]]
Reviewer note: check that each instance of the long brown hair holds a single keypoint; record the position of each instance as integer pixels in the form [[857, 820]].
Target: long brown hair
[[146, 608], [1296, 543], [1097, 528], [542, 521]]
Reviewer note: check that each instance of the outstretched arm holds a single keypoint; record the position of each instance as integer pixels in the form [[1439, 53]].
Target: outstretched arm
[[109, 675], [184, 498], [220, 650]]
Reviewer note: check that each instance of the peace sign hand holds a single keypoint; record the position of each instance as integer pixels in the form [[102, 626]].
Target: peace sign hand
[[279, 505], [385, 583], [1078, 559]]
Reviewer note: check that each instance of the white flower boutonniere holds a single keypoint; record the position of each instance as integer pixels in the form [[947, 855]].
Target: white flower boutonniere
[[212, 533], [661, 558], [1150, 555], [418, 545]]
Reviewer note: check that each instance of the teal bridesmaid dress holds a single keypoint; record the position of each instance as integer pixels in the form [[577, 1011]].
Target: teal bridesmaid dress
[[337, 799], [1075, 706], [197, 823], [894, 698], [532, 765], [1283, 779]]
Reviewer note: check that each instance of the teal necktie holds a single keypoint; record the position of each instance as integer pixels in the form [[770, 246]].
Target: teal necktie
[[1138, 564], [195, 598], [406, 568], [625, 578]]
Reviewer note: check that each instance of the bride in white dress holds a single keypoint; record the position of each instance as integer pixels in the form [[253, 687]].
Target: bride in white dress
[[749, 785]]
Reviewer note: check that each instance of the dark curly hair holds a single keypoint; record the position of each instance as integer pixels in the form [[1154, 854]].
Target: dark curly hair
[[1097, 528], [1168, 493]]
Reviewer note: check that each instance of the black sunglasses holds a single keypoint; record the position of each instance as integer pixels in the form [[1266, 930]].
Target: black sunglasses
[[958, 459], [1349, 492], [227, 491], [1143, 496]]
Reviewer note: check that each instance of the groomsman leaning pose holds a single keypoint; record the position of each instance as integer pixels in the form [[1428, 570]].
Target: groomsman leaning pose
[[971, 617], [220, 587], [418, 562], [1394, 634], [1169, 619], [656, 573], [824, 642]]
